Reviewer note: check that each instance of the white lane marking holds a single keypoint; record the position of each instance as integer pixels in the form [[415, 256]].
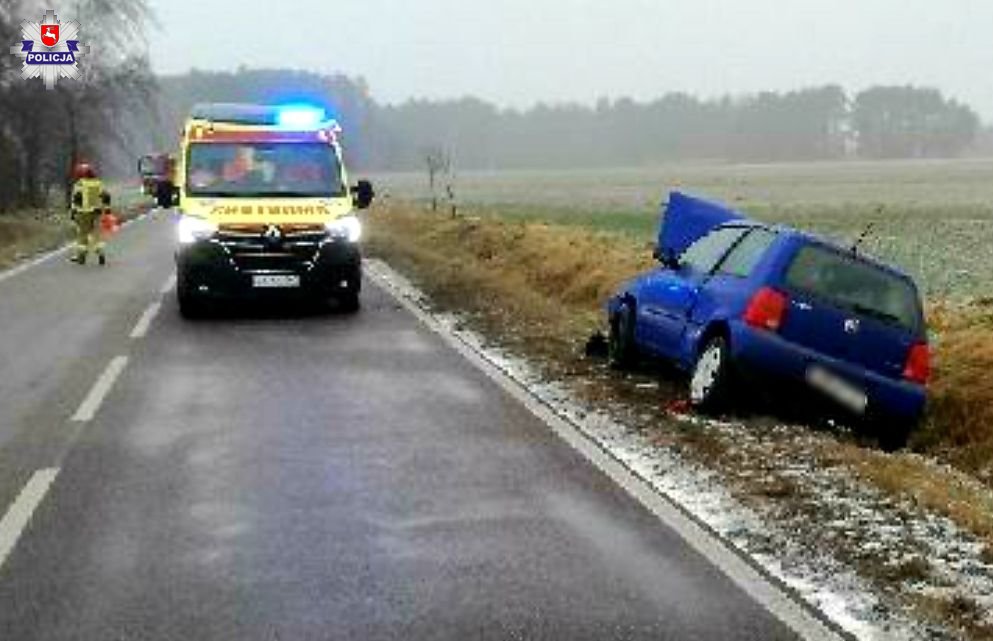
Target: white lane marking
[[169, 284], [141, 327], [18, 516], [91, 404], [808, 623]]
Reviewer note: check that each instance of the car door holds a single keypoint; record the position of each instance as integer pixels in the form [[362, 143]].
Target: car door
[[669, 294], [726, 293]]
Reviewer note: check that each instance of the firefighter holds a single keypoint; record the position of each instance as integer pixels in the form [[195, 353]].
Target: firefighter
[[88, 198]]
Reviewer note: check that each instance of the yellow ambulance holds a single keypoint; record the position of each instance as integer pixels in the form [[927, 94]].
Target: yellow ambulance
[[265, 208]]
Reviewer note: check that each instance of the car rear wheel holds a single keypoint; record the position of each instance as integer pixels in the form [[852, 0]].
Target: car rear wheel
[[893, 436], [711, 380], [621, 350]]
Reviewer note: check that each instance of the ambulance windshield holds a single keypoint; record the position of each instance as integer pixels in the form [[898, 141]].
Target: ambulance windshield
[[276, 170]]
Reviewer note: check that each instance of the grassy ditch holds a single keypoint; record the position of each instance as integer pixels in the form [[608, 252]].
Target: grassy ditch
[[539, 288], [25, 234]]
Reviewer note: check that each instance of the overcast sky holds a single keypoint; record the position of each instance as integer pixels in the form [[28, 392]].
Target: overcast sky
[[518, 52]]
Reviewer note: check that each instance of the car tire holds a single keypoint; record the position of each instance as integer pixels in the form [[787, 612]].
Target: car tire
[[712, 377], [349, 303], [893, 436], [191, 306], [622, 352]]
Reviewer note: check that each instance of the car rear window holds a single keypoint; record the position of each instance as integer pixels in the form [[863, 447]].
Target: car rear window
[[855, 285]]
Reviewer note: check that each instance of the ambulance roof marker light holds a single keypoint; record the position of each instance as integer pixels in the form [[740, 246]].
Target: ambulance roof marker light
[[300, 117]]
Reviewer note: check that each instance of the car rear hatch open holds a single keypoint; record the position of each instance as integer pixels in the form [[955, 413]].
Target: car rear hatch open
[[686, 219], [850, 309]]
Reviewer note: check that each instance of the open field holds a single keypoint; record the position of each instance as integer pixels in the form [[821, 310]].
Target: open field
[[933, 218], [925, 182]]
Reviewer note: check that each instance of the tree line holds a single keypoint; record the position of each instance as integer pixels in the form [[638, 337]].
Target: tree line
[[43, 132], [818, 123], [119, 111]]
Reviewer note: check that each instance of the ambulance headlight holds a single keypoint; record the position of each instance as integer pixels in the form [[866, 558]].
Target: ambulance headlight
[[191, 229], [347, 228]]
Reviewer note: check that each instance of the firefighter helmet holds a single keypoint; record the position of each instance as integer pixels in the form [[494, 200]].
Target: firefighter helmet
[[83, 170]]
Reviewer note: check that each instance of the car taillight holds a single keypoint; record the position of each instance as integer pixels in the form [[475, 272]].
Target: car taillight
[[766, 309], [918, 367]]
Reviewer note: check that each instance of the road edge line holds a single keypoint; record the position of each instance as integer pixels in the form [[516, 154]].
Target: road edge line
[[34, 262], [784, 603]]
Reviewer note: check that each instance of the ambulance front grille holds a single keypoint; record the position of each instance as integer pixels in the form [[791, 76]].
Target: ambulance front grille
[[252, 251]]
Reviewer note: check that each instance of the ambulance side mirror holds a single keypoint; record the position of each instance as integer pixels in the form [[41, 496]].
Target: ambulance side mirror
[[362, 194]]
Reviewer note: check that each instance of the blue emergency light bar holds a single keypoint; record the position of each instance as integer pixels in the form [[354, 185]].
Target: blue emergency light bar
[[290, 116], [300, 116]]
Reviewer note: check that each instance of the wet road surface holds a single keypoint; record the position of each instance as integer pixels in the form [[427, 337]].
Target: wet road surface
[[303, 476]]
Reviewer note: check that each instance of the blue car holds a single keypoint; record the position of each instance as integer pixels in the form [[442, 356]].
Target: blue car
[[736, 302]]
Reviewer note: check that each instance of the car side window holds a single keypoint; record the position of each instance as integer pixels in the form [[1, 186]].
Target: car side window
[[747, 254], [704, 254]]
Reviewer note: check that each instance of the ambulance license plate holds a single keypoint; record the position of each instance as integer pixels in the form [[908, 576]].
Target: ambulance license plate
[[275, 281], [840, 390]]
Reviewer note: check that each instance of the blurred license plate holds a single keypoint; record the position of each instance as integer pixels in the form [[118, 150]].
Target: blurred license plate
[[840, 390], [276, 281]]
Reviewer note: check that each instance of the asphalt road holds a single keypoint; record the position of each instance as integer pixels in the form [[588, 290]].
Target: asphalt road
[[303, 476]]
